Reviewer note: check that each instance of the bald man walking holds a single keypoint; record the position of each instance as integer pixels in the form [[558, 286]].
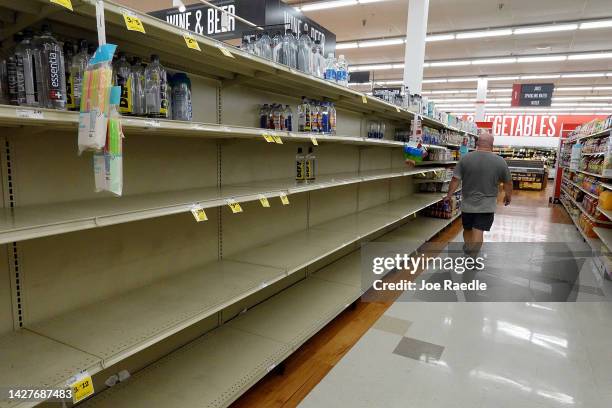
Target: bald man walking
[[480, 173]]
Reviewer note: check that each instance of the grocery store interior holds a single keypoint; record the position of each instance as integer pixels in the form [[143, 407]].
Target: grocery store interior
[[194, 196]]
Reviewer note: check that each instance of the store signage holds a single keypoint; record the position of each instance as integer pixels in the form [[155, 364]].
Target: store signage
[[532, 94], [533, 125], [271, 14], [381, 92]]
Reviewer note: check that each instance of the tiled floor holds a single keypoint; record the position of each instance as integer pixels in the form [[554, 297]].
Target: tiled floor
[[485, 355]]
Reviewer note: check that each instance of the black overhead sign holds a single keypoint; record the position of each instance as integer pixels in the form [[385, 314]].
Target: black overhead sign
[[379, 92], [532, 94], [270, 14]]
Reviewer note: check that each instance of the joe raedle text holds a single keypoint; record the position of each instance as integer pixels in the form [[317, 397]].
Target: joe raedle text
[[420, 262]]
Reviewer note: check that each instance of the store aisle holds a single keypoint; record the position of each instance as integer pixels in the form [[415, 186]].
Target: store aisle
[[519, 355]]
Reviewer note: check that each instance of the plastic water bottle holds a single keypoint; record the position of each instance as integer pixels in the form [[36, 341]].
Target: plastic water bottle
[[278, 118], [265, 46], [300, 165], [318, 60], [138, 76], [11, 80], [288, 118], [181, 97], [315, 125], [305, 53], [332, 119], [49, 61], [325, 128], [264, 111], [68, 56], [29, 85], [276, 45], [156, 89], [342, 71], [310, 167], [330, 68], [292, 49], [304, 116], [122, 76]]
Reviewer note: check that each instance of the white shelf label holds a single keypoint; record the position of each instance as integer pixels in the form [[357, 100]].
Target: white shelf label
[[30, 113], [152, 123]]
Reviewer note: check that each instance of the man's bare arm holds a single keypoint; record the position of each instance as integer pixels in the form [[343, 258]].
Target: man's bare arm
[[454, 184]]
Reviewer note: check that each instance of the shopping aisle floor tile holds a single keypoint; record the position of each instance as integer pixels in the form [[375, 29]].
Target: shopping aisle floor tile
[[392, 324]]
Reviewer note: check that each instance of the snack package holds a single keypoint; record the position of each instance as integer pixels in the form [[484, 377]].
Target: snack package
[[413, 153], [108, 164], [95, 98]]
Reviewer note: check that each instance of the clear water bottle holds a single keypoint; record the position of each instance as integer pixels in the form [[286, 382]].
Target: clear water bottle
[[257, 45], [49, 61], [181, 97], [290, 49], [278, 118], [4, 94], [330, 68], [68, 56], [318, 60], [288, 118], [29, 84], [304, 116], [265, 46], [11, 79], [156, 89], [304, 61], [325, 127], [264, 111], [332, 118], [342, 71], [138, 76], [314, 112], [122, 76], [277, 45], [77, 72]]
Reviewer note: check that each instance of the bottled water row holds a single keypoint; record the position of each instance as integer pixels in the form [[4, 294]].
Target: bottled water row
[[301, 53], [276, 117], [316, 117]]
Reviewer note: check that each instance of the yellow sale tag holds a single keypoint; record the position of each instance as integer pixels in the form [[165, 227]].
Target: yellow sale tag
[[82, 388], [277, 139], [191, 42], [398, 109], [284, 199], [199, 214], [268, 138], [264, 202], [225, 51], [133, 23], [234, 206], [364, 99], [314, 141], [63, 3]]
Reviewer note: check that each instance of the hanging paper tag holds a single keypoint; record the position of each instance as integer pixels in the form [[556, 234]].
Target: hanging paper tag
[[234, 206], [284, 199], [63, 3], [225, 51], [191, 42], [398, 109], [29, 113], [264, 201], [81, 386], [132, 22], [268, 138], [277, 139], [198, 213], [364, 99], [314, 140]]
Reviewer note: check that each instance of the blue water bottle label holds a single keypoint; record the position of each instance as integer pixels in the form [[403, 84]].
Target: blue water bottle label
[[330, 74]]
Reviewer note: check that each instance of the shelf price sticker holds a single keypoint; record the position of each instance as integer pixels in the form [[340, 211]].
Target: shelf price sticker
[[198, 213], [225, 51], [398, 109], [284, 199], [264, 201], [29, 113], [314, 140], [277, 139], [191, 42], [63, 3], [234, 206], [81, 386], [132, 22], [268, 138], [364, 99]]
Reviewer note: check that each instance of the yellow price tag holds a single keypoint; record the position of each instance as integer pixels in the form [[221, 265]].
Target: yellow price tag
[[398, 109], [264, 202], [234, 206], [199, 214], [63, 3], [268, 138], [82, 388], [133, 23], [284, 199], [314, 141], [364, 99], [225, 51], [277, 139], [191, 42]]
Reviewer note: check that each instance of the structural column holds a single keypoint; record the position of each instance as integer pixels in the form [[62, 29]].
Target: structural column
[[416, 31], [481, 99]]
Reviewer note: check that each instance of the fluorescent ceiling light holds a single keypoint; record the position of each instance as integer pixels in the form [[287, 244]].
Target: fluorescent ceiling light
[[327, 5], [500, 90], [397, 66], [602, 88], [598, 55], [450, 100], [545, 29], [346, 46], [469, 79], [568, 98], [467, 91], [381, 43], [449, 63], [485, 33], [574, 88], [490, 61], [439, 37], [503, 78], [543, 76], [548, 58], [434, 81], [596, 24], [584, 75], [597, 98]]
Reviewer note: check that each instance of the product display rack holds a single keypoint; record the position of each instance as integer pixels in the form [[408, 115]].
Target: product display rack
[[594, 243], [589, 216], [99, 284], [579, 187]]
